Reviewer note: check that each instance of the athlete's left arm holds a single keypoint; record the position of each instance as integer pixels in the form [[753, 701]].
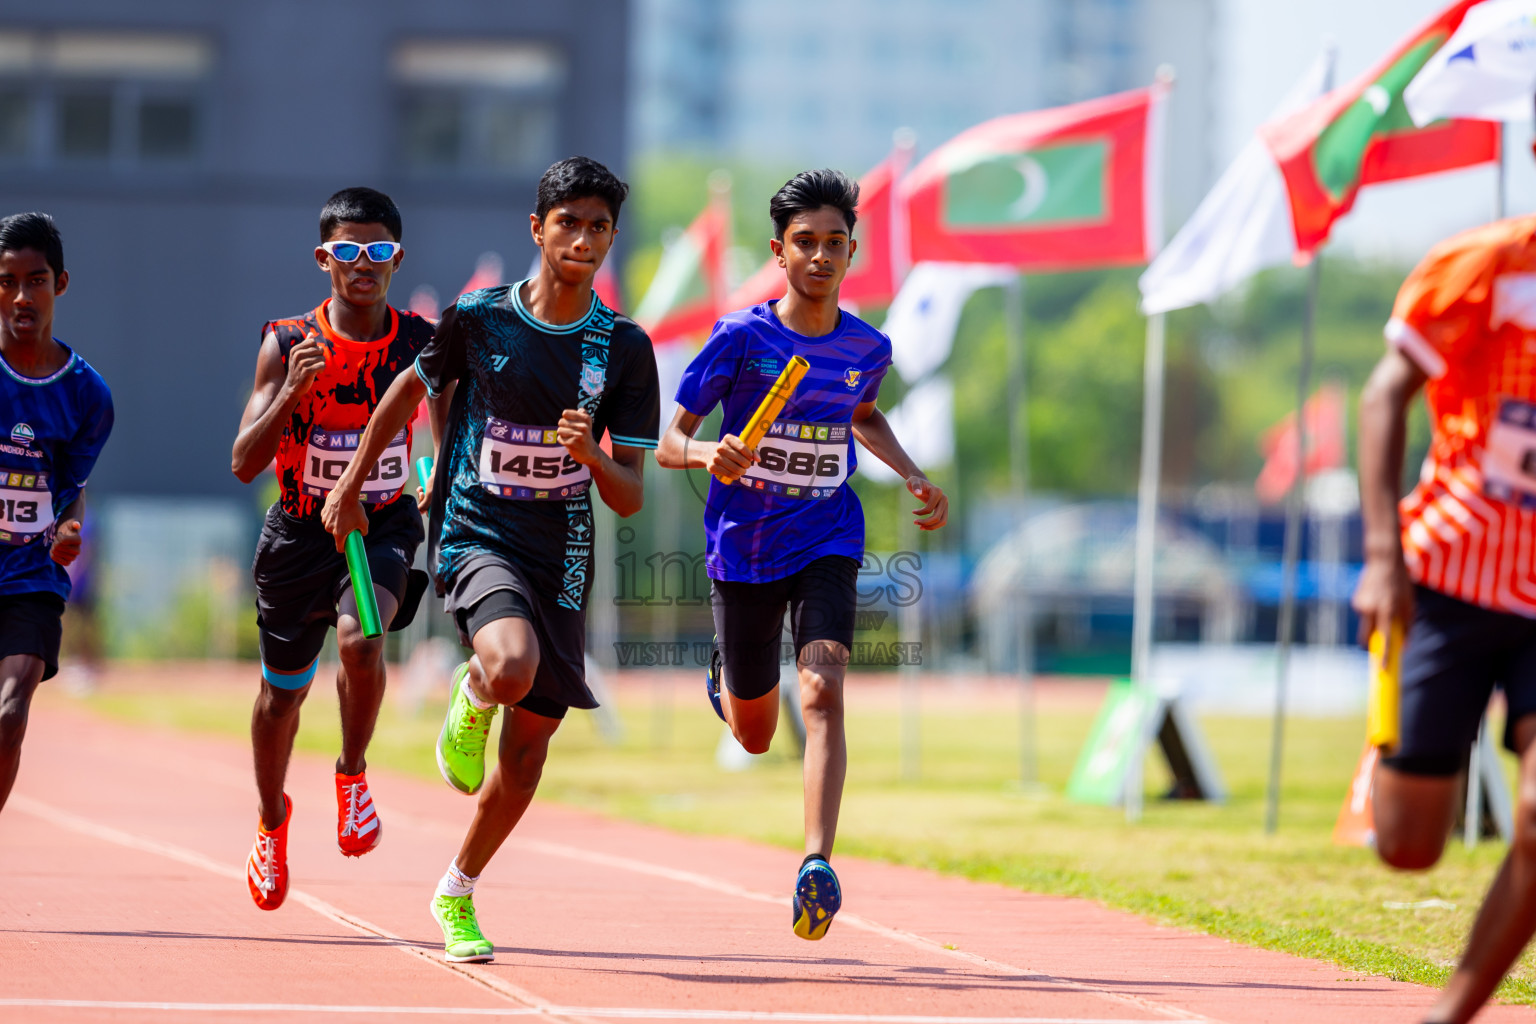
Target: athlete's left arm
[[874, 432], [620, 478]]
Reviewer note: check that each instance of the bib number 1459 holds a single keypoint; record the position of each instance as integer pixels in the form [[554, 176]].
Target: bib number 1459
[[527, 463]]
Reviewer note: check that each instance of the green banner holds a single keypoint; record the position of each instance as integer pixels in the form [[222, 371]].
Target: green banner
[[1105, 763]]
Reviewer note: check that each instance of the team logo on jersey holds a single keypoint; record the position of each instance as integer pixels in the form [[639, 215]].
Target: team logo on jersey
[[22, 434], [592, 379], [499, 363], [851, 377]]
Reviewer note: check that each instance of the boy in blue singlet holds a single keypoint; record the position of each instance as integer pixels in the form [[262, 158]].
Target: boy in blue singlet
[[790, 531], [55, 415]]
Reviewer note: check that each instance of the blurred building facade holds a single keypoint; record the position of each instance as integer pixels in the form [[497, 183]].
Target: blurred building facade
[[186, 148], [799, 82]]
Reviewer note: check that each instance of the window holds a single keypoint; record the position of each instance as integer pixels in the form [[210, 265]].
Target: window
[[167, 128], [15, 123], [85, 125], [476, 107], [101, 97]]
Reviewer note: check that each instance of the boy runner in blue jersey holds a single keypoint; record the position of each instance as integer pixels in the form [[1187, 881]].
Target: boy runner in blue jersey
[[790, 531], [538, 371], [55, 415]]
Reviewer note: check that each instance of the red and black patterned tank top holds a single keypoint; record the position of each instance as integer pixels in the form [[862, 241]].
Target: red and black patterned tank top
[[328, 422]]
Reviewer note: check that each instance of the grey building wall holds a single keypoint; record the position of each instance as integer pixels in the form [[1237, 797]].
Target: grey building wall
[[175, 264]]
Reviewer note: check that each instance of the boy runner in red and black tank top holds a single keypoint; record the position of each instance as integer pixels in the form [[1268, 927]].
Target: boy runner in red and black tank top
[[318, 379]]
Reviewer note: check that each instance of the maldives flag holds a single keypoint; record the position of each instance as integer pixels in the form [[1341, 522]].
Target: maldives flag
[[1361, 134], [1062, 189], [687, 295], [880, 262]]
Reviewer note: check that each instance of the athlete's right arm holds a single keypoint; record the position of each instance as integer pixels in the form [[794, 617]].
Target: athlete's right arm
[[277, 392], [1385, 591], [343, 511], [728, 457]]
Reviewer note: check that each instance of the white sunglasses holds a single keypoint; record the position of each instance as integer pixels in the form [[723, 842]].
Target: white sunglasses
[[348, 252]]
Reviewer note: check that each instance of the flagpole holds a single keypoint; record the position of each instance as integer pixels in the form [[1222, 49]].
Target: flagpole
[[1498, 178], [1018, 480], [1291, 556], [1144, 594]]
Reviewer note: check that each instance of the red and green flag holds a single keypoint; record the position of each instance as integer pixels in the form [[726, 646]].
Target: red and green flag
[[1361, 134], [1067, 188]]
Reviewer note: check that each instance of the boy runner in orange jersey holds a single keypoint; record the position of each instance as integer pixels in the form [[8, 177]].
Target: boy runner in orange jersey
[[1453, 564], [318, 379]]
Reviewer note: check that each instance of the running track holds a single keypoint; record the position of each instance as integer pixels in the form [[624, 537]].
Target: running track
[[122, 899]]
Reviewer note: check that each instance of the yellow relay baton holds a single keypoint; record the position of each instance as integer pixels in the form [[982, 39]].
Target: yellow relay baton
[[1383, 714], [770, 407]]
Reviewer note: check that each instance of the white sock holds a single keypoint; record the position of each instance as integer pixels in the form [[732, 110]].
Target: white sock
[[456, 882], [474, 699]]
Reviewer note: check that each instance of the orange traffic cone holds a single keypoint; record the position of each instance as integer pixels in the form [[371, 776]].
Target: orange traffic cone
[[1357, 825]]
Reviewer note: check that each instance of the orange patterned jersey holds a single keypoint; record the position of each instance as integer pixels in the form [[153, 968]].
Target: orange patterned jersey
[[327, 424], [1467, 317]]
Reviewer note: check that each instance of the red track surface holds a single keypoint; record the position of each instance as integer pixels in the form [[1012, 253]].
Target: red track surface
[[122, 898]]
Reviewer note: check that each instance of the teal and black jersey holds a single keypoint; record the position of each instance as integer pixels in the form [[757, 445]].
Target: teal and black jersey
[[506, 487]]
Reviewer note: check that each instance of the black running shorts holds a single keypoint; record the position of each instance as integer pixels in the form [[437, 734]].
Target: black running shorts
[[488, 588], [1455, 654], [300, 578], [749, 619], [32, 624]]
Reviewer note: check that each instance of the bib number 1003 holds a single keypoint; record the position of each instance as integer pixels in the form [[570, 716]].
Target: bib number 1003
[[391, 467], [801, 463]]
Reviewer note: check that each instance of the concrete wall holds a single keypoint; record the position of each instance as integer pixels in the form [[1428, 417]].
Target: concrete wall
[[174, 268]]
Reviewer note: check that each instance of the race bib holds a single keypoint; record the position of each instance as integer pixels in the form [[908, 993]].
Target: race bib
[[1509, 460], [26, 507], [527, 463], [800, 460], [330, 453]]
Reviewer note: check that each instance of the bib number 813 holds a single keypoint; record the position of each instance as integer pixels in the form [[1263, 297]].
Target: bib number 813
[[18, 511], [777, 460]]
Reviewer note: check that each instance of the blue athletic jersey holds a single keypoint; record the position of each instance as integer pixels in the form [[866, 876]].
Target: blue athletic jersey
[[795, 506], [510, 488], [51, 431]]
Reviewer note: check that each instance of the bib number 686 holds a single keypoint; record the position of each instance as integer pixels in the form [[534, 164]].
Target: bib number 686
[[800, 463]]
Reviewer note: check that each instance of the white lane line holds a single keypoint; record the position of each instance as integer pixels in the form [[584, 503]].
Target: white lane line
[[851, 920], [535, 1005], [600, 1012]]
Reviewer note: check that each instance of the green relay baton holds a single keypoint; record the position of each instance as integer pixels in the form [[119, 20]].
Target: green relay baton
[[423, 470], [362, 585]]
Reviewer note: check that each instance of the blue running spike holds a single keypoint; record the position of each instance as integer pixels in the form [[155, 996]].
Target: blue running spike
[[817, 898], [712, 678]]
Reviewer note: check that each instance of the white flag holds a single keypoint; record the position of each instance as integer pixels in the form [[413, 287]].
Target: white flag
[[1486, 70], [924, 314], [1241, 227], [924, 422]]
